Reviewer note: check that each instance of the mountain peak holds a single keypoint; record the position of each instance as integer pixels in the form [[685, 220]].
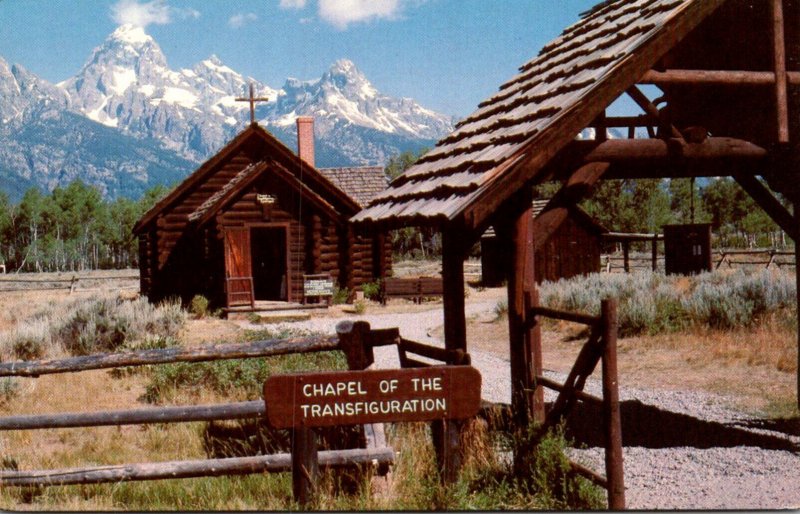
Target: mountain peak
[[344, 66], [132, 34]]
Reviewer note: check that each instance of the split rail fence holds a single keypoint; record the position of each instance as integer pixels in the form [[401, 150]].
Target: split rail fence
[[16, 283], [766, 258], [371, 455], [357, 341]]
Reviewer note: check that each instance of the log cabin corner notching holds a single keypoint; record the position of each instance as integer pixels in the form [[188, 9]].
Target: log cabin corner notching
[[253, 219], [728, 72]]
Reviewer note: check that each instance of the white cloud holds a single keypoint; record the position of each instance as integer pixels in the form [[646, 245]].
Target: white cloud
[[341, 13], [145, 13], [292, 4], [241, 19]]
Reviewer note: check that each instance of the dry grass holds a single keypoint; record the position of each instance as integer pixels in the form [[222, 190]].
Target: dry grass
[[756, 365]]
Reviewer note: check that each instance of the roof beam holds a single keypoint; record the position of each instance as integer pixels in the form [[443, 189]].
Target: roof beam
[[715, 78], [642, 101], [617, 150], [658, 158]]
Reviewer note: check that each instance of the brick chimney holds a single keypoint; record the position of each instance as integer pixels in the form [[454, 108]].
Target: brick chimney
[[305, 139]]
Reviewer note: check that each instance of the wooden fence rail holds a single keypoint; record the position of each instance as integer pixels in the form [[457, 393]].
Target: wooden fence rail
[[16, 279], [274, 463], [380, 456], [172, 414], [211, 352]]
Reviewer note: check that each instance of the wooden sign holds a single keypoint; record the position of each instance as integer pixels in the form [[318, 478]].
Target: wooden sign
[[315, 285], [372, 396]]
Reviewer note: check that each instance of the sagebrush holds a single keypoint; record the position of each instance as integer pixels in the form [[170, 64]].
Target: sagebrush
[[91, 325], [653, 303]]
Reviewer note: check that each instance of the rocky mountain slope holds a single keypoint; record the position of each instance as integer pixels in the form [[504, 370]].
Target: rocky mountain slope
[[156, 124]]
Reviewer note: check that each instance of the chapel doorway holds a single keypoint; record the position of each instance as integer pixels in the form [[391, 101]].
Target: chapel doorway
[[269, 263]]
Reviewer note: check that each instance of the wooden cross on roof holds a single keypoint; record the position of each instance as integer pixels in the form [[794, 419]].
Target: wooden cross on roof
[[252, 99]]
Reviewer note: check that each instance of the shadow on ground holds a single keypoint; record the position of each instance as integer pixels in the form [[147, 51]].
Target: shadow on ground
[[650, 427]]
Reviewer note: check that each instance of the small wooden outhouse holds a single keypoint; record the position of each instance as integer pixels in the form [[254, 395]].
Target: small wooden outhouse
[[687, 248], [254, 220]]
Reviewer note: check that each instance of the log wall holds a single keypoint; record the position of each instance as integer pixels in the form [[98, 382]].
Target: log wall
[[181, 259]]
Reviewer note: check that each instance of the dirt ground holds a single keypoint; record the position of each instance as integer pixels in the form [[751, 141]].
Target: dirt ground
[[672, 361]]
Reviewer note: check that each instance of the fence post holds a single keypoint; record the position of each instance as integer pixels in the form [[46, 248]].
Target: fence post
[[654, 252], [611, 410], [353, 342], [305, 465], [626, 248]]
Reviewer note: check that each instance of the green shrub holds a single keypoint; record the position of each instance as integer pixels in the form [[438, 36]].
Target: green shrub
[[28, 349], [198, 306], [359, 306], [240, 378], [542, 480], [547, 478], [29, 340], [340, 295], [372, 290]]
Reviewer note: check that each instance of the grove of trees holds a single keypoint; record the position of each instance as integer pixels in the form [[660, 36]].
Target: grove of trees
[[646, 205], [73, 228]]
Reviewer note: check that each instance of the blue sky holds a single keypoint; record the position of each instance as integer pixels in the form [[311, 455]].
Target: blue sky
[[447, 54]]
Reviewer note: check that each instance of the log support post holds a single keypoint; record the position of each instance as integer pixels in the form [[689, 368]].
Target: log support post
[[797, 286], [611, 411], [516, 228], [779, 58], [446, 434], [353, 337]]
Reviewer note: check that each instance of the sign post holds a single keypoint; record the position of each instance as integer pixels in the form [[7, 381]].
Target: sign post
[[303, 401]]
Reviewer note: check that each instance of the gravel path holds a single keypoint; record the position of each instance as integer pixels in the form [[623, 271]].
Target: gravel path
[[684, 449]]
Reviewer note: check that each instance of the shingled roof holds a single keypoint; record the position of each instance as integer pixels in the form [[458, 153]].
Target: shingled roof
[[513, 134], [361, 184], [275, 158]]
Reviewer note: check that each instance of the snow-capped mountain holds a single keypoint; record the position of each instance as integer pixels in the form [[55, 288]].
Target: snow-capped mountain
[[127, 84], [23, 93], [344, 95], [44, 144], [127, 96]]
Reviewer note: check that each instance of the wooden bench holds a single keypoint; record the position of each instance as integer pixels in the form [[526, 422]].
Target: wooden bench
[[399, 288], [415, 288], [430, 286]]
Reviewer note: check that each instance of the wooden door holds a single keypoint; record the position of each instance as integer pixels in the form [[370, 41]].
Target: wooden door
[[238, 268]]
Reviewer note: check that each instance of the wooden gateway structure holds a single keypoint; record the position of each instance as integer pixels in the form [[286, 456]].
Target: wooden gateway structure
[[728, 103], [571, 250], [253, 220]]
